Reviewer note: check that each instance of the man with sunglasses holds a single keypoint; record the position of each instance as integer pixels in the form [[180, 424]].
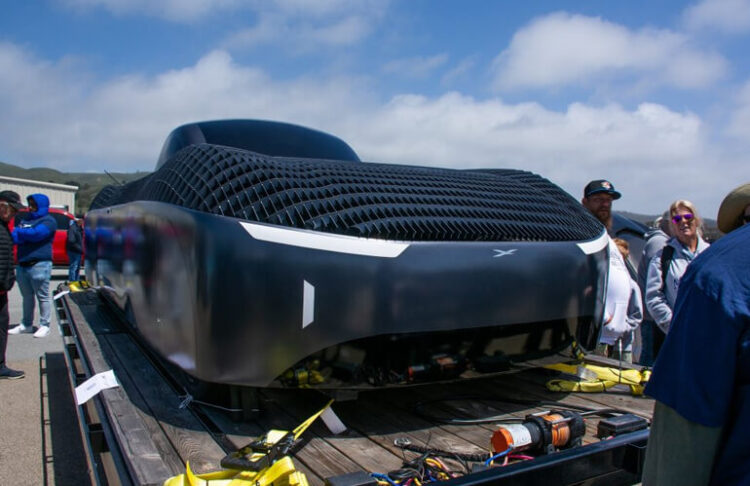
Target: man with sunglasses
[[10, 202], [668, 266], [701, 381]]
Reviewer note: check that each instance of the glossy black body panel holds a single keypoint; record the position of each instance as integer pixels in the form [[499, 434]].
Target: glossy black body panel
[[267, 137], [229, 308]]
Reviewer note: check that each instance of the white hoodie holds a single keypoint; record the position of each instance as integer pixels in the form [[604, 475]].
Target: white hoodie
[[623, 310]]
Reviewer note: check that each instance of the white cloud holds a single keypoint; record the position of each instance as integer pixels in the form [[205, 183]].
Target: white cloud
[[459, 71], [173, 10], [562, 49], [297, 24], [307, 26], [730, 16], [55, 116], [739, 126], [416, 67], [300, 34]]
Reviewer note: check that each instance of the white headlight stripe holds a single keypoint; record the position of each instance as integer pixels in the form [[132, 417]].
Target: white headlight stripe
[[325, 241], [593, 246]]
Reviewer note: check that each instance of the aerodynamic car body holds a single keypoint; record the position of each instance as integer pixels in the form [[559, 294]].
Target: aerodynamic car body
[[267, 254]]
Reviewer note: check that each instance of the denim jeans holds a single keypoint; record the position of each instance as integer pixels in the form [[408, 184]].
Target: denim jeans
[[613, 350], [75, 266], [647, 342], [33, 282]]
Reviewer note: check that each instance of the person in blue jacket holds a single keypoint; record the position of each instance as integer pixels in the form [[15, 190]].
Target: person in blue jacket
[[701, 379], [33, 238]]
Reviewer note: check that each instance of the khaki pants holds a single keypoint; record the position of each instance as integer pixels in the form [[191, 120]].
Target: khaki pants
[[680, 452], [613, 351]]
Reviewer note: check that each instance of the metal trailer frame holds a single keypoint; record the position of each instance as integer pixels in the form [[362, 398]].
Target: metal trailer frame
[[103, 453]]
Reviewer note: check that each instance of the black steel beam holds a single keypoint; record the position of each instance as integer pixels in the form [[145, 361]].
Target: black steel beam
[[616, 461]]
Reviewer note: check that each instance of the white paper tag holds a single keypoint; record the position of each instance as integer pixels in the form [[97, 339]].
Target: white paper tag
[[60, 294], [521, 435], [89, 388], [332, 421]]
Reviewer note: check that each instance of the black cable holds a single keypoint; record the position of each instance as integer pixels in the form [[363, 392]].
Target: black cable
[[419, 409], [428, 451]]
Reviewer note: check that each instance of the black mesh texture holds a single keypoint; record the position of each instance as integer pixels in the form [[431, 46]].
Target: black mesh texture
[[384, 201]]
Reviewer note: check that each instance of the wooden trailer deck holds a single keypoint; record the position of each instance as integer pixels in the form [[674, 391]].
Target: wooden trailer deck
[[140, 427]]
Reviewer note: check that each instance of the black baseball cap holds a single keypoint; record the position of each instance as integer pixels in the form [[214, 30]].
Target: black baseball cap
[[601, 185], [11, 198]]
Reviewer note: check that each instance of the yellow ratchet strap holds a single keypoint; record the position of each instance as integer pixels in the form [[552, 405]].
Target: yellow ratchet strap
[[279, 471], [605, 378]]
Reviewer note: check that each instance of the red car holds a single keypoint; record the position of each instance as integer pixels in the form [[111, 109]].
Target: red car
[[63, 219]]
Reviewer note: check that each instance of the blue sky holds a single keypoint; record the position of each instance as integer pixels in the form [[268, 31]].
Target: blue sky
[[654, 96]]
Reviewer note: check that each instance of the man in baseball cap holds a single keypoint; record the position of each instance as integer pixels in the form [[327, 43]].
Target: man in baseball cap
[[597, 198], [12, 198]]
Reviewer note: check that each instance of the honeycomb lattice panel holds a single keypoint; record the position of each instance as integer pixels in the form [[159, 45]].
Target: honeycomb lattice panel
[[384, 201]]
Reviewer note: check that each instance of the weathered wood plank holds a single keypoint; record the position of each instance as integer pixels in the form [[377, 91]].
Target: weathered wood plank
[[188, 436], [149, 459], [366, 453], [239, 434]]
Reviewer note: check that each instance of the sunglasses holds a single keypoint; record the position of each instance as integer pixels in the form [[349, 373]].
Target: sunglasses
[[679, 217]]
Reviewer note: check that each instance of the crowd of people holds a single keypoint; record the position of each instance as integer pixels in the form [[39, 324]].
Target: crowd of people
[[696, 333], [32, 238]]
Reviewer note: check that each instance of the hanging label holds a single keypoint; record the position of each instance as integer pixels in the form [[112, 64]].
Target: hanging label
[[521, 435], [332, 421], [89, 388]]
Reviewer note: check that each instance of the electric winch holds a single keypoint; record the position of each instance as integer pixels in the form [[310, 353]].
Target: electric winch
[[557, 429]]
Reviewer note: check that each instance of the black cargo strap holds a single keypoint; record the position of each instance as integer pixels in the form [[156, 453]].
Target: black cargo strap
[[666, 258]]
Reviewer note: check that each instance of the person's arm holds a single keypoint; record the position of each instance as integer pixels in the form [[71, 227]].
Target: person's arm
[[635, 307], [32, 234], [656, 300], [680, 452]]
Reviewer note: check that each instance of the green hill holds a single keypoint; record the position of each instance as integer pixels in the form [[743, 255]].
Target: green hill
[[89, 183]]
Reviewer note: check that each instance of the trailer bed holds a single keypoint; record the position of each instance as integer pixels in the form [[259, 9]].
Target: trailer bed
[[147, 429]]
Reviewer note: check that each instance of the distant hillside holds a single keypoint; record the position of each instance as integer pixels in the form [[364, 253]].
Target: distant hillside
[[89, 183]]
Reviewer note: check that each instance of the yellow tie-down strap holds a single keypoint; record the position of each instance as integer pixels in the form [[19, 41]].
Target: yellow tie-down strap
[[280, 473], [605, 378]]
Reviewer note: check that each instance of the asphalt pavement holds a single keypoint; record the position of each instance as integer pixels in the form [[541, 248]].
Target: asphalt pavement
[[40, 443]]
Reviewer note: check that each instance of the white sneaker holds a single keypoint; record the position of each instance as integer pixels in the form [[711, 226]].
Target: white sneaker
[[41, 332], [21, 329]]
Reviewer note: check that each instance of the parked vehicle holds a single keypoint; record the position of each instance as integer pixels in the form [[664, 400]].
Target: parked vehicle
[[273, 241]]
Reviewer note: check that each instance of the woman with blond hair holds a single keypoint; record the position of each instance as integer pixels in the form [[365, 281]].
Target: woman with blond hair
[[668, 265]]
